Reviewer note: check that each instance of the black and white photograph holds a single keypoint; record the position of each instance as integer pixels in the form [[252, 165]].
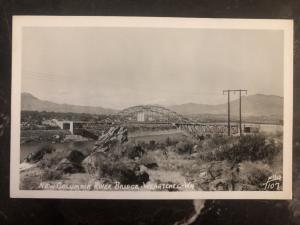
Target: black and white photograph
[[151, 108]]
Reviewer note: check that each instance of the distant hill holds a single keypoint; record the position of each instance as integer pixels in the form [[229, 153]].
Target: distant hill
[[32, 103], [252, 105]]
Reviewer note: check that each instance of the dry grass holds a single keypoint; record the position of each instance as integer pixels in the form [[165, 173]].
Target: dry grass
[[50, 175]]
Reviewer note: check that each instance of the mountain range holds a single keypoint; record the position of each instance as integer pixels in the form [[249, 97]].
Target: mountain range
[[252, 105], [32, 103]]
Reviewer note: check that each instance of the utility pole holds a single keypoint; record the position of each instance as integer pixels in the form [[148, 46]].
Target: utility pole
[[240, 92], [240, 108], [228, 107]]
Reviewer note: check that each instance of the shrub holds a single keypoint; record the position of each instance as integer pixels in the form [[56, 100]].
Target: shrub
[[184, 147], [142, 144], [75, 157], [38, 155], [49, 161], [170, 141], [218, 140], [148, 161], [135, 151], [126, 150], [129, 150], [254, 173], [124, 171], [217, 154], [250, 148], [152, 145]]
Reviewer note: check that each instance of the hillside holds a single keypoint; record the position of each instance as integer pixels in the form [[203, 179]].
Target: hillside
[[252, 105], [258, 105], [32, 103]]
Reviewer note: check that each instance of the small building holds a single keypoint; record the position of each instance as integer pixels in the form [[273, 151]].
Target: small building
[[251, 128], [65, 125]]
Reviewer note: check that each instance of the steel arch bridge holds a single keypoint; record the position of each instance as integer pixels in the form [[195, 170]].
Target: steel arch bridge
[[151, 113]]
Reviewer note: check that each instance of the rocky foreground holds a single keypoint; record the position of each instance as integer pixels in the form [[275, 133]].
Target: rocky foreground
[[99, 164], [215, 164]]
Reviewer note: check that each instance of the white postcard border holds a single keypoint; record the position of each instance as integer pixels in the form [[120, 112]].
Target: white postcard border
[[78, 21]]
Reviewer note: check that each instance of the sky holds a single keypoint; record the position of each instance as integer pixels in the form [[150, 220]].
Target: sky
[[120, 67]]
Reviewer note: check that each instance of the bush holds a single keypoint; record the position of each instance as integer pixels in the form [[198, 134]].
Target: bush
[[38, 155], [126, 172], [170, 141], [252, 148], [75, 157], [49, 161], [249, 148], [184, 147], [142, 144], [220, 140], [152, 144], [129, 150], [149, 161], [66, 166], [254, 173], [135, 152], [217, 141], [217, 154]]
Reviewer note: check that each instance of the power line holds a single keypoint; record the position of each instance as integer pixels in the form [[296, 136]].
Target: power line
[[240, 108]]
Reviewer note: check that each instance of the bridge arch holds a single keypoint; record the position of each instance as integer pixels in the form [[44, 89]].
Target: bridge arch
[[150, 113]]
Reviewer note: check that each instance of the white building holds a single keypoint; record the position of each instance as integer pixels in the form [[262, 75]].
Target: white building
[[65, 125]]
